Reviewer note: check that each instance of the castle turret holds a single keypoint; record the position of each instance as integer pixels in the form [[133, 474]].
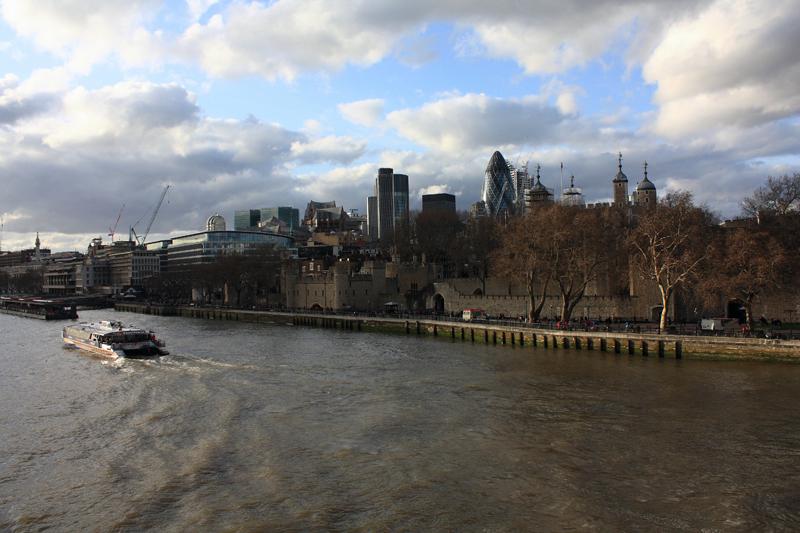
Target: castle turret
[[620, 186], [538, 194], [645, 192]]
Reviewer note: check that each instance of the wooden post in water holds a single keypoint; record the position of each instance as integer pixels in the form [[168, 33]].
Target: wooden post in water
[[521, 338], [678, 350], [661, 349], [631, 348], [617, 347], [435, 331], [565, 342], [472, 334], [603, 344], [494, 337], [534, 340], [577, 342], [408, 328], [504, 336], [544, 338], [590, 343], [645, 349], [418, 330], [452, 332]]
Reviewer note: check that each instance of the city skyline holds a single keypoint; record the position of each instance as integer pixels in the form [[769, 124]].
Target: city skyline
[[106, 103]]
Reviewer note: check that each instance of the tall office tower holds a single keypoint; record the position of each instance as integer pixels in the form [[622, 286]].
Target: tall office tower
[[372, 217], [384, 185], [400, 200], [522, 183], [390, 211], [498, 190], [246, 219], [288, 215]]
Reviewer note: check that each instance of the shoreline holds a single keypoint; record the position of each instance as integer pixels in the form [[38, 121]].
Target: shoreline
[[618, 343]]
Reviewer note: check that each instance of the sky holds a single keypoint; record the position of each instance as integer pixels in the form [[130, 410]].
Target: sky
[[242, 104]]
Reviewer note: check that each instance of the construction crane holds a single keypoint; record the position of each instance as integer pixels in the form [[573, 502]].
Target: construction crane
[[113, 230], [141, 240]]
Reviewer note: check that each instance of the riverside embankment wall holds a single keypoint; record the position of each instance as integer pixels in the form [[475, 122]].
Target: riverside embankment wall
[[676, 346]]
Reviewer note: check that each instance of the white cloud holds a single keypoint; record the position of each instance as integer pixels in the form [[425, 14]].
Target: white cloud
[[736, 64], [85, 32], [197, 8], [363, 112], [476, 120], [279, 40], [328, 149], [434, 189]]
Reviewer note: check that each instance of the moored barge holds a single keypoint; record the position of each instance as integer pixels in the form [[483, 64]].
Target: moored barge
[[111, 339], [38, 308]]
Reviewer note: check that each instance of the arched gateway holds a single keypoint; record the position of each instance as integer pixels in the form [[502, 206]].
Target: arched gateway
[[438, 304]]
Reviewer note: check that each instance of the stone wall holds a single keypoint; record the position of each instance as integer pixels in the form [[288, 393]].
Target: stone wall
[[503, 298]]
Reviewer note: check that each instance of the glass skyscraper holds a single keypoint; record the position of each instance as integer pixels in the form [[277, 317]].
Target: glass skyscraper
[[390, 204], [248, 219], [498, 189]]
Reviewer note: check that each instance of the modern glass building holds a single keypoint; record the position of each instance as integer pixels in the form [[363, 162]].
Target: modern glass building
[[204, 247], [391, 203], [289, 215], [438, 202], [248, 219], [400, 200], [498, 189], [372, 217]]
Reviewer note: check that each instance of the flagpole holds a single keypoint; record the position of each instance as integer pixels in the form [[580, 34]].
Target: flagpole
[[561, 191]]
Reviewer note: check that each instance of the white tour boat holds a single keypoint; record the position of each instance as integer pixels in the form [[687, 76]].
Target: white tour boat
[[111, 339]]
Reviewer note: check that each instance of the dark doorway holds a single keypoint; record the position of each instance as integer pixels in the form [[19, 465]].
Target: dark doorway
[[438, 304], [736, 310]]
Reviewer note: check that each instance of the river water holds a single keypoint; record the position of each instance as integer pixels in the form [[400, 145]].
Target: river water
[[250, 427]]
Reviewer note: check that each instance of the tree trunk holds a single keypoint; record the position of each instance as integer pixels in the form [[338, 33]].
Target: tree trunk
[[666, 294], [566, 310], [748, 311]]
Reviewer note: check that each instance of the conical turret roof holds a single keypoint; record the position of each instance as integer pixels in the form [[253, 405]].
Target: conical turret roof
[[645, 184], [620, 175]]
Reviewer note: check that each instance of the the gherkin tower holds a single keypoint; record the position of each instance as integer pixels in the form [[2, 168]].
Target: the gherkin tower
[[498, 190]]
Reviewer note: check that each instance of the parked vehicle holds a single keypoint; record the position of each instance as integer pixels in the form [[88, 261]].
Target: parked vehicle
[[473, 314]]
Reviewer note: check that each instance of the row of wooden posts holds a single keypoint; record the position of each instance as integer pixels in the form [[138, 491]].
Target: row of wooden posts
[[547, 340]]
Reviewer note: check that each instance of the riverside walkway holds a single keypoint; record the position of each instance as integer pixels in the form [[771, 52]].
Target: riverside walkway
[[506, 333]]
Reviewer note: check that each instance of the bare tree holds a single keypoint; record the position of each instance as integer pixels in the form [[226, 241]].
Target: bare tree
[[479, 239], [746, 264], [581, 246], [669, 245], [525, 255], [779, 196], [264, 267]]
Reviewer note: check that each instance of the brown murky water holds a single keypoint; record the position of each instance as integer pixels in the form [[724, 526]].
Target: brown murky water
[[256, 427]]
